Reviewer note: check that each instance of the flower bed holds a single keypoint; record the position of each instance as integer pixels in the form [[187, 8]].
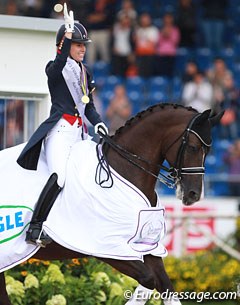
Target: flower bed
[[91, 282]]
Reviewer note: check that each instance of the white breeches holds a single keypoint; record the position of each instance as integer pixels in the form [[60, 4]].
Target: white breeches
[[58, 144]]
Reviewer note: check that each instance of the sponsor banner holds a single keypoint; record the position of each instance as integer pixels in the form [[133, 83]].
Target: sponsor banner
[[13, 221], [188, 231]]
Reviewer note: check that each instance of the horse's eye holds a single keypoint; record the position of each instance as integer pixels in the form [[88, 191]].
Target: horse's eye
[[192, 149]]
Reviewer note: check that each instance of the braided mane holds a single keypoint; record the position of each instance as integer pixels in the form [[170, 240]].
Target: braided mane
[[150, 110]]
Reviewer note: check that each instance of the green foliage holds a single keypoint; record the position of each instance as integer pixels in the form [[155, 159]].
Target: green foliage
[[91, 282]]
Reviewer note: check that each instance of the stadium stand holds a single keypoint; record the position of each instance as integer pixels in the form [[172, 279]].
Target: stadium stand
[[145, 92]]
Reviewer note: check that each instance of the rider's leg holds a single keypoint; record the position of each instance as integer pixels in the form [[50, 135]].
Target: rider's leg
[[41, 211], [57, 146]]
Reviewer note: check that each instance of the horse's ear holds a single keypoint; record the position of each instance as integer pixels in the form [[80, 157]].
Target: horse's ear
[[205, 115], [214, 120], [202, 126]]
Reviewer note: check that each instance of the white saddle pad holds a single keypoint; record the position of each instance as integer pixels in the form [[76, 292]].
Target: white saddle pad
[[116, 222]]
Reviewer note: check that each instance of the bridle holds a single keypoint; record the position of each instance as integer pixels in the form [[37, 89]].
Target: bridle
[[178, 169], [174, 173]]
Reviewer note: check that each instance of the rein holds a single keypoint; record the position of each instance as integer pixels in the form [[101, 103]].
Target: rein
[[169, 180]]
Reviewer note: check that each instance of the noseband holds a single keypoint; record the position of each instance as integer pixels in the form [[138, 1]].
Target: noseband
[[174, 173]]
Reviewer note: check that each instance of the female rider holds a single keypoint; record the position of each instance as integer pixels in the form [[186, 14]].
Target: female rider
[[71, 85]]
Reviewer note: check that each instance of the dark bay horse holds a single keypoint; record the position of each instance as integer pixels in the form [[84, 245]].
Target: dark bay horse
[[171, 132]]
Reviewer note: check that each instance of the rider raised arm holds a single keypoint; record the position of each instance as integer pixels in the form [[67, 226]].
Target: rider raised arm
[[70, 85]]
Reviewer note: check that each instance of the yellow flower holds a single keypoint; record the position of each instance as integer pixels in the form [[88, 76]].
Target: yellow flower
[[101, 278], [101, 296], [14, 287], [53, 274], [115, 290], [31, 282], [128, 282], [57, 299]]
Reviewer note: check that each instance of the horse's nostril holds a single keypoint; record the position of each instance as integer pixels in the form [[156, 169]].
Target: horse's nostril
[[194, 196], [190, 197]]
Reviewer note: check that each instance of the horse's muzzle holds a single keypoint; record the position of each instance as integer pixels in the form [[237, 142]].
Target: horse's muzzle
[[191, 197]]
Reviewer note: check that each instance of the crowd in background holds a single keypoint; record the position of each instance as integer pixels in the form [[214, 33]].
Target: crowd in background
[[142, 39], [138, 38]]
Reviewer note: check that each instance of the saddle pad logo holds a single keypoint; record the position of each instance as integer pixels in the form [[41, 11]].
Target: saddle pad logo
[[13, 221], [150, 230]]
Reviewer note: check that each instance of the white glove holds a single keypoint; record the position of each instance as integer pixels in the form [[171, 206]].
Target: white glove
[[101, 127], [69, 19]]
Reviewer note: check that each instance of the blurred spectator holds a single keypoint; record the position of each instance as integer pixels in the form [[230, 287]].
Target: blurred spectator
[[216, 76], [198, 93], [132, 69], [99, 21], [168, 41], [122, 45], [232, 159], [213, 23], [11, 8], [190, 70], [3, 4], [145, 39], [119, 109], [14, 122], [186, 22], [14, 134], [98, 102], [15, 110], [32, 8], [80, 9], [47, 8], [128, 10], [230, 105], [99, 107]]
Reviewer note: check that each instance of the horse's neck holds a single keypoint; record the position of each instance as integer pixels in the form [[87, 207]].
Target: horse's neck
[[139, 178], [149, 136], [144, 146]]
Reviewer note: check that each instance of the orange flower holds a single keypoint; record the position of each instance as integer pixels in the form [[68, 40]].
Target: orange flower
[[34, 261], [24, 273], [76, 261]]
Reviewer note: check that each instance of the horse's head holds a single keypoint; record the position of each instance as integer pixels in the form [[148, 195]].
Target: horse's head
[[191, 148]]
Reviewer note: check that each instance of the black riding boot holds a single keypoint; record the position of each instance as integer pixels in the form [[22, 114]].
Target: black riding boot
[[44, 204]]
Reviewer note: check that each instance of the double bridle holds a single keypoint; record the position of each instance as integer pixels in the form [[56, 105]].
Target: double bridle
[[174, 173]]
